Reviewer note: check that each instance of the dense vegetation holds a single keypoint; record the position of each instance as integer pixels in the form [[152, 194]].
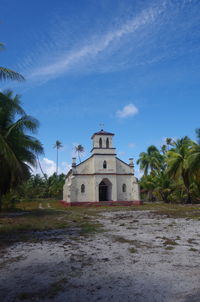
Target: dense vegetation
[[37, 187], [18, 149], [172, 174]]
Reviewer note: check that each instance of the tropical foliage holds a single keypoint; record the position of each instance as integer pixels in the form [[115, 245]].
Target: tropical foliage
[[41, 187], [79, 149], [172, 173], [18, 150]]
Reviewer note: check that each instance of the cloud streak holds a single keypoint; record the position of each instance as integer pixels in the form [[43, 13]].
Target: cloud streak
[[67, 61], [49, 167], [152, 35]]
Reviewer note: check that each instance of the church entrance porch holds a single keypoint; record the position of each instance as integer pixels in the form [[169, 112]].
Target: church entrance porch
[[105, 190]]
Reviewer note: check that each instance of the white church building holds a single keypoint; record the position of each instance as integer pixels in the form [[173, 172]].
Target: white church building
[[102, 177]]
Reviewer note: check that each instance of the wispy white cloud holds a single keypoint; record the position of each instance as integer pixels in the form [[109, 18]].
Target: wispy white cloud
[[131, 145], [64, 61], [127, 111], [49, 167], [157, 31]]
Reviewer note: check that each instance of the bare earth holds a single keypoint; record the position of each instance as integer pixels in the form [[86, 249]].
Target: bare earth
[[140, 257]]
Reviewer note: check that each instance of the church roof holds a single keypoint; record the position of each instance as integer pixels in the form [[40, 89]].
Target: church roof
[[102, 132]]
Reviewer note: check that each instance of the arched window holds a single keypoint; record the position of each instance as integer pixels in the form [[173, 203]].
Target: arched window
[[107, 143], [100, 142], [82, 188], [124, 188], [104, 164]]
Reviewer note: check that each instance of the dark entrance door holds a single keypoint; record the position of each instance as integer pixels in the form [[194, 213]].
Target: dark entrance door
[[103, 191]]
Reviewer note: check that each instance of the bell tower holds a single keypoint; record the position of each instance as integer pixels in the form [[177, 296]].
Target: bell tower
[[102, 143]]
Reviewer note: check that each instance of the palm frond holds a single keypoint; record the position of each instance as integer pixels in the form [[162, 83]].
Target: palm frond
[[8, 74]]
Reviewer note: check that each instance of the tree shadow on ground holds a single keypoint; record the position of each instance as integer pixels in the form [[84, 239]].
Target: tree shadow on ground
[[73, 280]]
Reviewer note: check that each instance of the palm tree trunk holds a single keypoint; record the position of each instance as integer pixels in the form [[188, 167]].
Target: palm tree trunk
[[57, 163], [41, 168], [188, 197], [0, 201]]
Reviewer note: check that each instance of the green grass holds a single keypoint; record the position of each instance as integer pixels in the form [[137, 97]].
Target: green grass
[[132, 250], [169, 248], [29, 217], [50, 292], [168, 241], [192, 249]]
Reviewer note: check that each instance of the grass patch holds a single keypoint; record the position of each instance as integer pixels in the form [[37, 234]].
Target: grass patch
[[192, 241], [42, 215], [91, 228], [169, 248], [24, 224], [132, 250], [136, 243], [168, 241], [11, 260], [49, 292], [121, 239], [192, 249]]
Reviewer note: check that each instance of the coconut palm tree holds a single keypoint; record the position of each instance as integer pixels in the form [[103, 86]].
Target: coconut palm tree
[[150, 161], [198, 135], [18, 149], [79, 149], [178, 162], [6, 73], [58, 145], [169, 142]]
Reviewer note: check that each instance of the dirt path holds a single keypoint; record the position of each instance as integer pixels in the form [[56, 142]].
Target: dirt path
[[141, 257]]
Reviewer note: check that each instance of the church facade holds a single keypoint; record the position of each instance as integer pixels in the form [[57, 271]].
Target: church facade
[[101, 177]]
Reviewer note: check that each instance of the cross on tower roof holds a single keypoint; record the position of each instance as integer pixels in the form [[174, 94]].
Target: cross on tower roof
[[101, 126]]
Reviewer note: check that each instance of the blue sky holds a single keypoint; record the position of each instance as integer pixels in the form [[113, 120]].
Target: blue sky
[[132, 65]]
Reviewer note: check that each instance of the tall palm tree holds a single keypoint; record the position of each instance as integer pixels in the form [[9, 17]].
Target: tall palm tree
[[169, 142], [198, 135], [179, 164], [6, 73], [150, 161], [57, 145], [18, 149], [79, 149]]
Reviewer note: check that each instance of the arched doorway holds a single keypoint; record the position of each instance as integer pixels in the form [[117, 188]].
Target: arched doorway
[[105, 190]]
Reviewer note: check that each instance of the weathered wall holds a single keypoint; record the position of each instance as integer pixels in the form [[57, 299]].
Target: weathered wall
[[132, 188], [123, 167], [103, 138], [88, 182], [98, 164], [86, 167]]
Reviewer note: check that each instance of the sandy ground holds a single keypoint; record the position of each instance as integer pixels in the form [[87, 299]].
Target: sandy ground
[[141, 257]]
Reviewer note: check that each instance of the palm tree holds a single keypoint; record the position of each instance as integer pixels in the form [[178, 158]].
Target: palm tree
[[150, 161], [169, 142], [148, 185], [57, 145], [79, 149], [198, 135], [18, 150], [179, 164], [40, 166], [6, 73]]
